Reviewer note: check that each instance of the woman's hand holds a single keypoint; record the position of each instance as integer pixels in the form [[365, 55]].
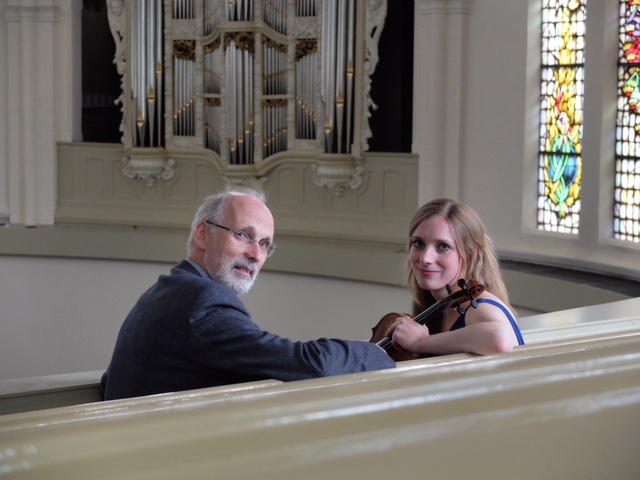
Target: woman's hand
[[407, 335]]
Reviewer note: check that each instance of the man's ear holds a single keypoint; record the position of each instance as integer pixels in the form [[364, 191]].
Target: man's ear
[[200, 235]]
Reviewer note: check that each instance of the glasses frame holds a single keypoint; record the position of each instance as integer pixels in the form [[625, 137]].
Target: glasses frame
[[244, 238]]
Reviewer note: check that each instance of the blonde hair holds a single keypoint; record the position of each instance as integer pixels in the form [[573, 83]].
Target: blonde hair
[[479, 260]]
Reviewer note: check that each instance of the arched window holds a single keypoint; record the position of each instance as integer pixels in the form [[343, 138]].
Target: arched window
[[561, 115], [626, 216]]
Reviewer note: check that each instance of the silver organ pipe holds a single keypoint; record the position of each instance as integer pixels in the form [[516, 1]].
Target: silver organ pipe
[[150, 68], [338, 52], [340, 73], [183, 9], [255, 88], [350, 68], [214, 14], [305, 8], [274, 126], [184, 87], [184, 74], [306, 61], [275, 15], [159, 75], [274, 88], [239, 97], [213, 119], [274, 67], [240, 10], [146, 73], [212, 124]]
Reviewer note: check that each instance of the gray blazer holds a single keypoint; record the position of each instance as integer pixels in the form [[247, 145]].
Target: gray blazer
[[189, 332]]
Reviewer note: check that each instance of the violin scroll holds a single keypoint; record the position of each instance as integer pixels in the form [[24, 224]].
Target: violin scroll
[[468, 293]]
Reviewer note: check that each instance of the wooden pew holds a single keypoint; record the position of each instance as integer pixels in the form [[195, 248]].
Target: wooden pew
[[30, 394], [616, 316], [563, 409], [51, 391]]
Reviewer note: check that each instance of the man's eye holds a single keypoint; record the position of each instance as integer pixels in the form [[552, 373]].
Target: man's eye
[[241, 235], [264, 244]]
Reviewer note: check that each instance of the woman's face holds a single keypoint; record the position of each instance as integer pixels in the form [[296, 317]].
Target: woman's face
[[435, 259]]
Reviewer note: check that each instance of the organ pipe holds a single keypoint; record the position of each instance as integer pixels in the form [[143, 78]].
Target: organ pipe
[[249, 79]]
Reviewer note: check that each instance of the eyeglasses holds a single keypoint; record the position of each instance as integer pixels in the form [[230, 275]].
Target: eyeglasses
[[243, 238]]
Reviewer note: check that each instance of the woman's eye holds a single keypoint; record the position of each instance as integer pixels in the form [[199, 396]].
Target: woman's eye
[[419, 244], [444, 247]]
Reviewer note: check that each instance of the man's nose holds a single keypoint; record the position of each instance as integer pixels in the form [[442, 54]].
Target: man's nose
[[254, 251]]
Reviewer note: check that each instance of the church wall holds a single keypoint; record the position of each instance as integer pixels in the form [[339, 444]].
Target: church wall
[[63, 315], [101, 235]]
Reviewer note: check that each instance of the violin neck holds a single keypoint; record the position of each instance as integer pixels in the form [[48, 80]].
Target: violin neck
[[422, 318], [430, 313], [385, 344]]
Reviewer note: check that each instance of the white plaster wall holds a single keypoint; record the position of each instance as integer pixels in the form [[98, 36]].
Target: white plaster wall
[[59, 316], [4, 161], [500, 129], [63, 315]]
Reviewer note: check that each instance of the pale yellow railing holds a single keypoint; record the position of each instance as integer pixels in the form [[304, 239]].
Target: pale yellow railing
[[37, 393], [558, 409]]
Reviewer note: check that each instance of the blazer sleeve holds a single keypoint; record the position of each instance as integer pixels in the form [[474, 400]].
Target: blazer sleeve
[[226, 339]]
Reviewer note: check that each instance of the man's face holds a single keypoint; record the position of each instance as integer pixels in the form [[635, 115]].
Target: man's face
[[227, 258]]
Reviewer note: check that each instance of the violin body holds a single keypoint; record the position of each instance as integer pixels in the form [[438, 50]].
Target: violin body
[[379, 333], [468, 293]]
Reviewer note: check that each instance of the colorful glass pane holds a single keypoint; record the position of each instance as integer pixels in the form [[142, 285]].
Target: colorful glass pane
[[626, 215], [561, 115]]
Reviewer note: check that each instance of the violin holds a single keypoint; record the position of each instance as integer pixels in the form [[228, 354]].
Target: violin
[[467, 292]]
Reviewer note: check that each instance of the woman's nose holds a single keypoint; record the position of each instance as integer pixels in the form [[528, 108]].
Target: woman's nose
[[427, 256]]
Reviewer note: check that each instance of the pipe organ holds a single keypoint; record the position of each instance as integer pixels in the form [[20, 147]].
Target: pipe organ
[[246, 81]]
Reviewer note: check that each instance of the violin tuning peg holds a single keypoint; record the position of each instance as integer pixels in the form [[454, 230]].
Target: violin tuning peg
[[460, 309], [449, 289], [474, 303]]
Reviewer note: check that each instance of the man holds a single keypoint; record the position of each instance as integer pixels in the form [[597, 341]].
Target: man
[[191, 330]]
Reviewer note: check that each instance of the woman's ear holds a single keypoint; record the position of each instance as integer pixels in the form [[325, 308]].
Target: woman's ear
[[469, 264], [474, 263]]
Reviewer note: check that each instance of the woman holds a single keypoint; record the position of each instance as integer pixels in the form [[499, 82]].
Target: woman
[[447, 242]]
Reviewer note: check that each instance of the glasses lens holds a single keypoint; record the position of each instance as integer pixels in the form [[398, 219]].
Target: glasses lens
[[243, 238]]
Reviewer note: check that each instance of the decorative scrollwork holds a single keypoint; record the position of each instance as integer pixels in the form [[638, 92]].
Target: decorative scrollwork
[[254, 182], [149, 169], [338, 177]]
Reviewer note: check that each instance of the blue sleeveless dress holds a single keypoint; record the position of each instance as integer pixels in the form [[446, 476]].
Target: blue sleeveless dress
[[460, 322]]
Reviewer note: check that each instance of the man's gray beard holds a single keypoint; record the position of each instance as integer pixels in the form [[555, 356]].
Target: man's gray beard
[[229, 277]]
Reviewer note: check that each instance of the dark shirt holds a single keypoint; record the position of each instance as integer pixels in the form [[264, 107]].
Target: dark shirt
[[189, 331]]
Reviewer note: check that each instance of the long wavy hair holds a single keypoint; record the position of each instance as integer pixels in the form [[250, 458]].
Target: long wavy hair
[[479, 260]]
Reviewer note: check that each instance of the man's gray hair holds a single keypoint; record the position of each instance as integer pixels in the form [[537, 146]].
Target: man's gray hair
[[213, 209]]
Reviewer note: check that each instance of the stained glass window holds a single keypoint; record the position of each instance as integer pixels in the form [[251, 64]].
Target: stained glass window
[[561, 115], [626, 215]]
